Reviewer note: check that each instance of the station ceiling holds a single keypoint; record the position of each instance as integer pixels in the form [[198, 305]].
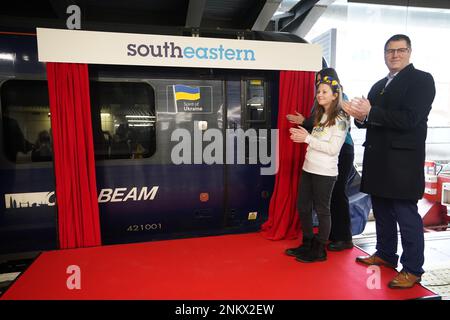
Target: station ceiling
[[165, 16], [141, 14]]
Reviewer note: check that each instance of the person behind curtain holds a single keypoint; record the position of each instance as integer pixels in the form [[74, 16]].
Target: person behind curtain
[[341, 232], [42, 150], [15, 140], [320, 168], [395, 114]]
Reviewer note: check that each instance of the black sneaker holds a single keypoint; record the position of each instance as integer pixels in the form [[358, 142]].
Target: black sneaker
[[293, 252], [305, 246], [315, 254]]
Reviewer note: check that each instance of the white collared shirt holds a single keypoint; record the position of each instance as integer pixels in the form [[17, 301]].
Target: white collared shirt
[[390, 78]]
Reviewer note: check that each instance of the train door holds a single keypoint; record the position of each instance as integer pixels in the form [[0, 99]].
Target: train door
[[160, 184], [248, 191]]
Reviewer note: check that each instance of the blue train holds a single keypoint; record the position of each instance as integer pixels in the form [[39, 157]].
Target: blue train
[[143, 193]]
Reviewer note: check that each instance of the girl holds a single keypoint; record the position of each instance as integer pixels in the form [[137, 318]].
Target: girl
[[320, 168], [341, 227]]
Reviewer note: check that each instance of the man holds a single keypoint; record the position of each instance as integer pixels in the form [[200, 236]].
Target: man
[[395, 115], [15, 141]]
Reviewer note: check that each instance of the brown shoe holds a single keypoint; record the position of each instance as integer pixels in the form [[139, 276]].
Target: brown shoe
[[404, 280], [374, 260]]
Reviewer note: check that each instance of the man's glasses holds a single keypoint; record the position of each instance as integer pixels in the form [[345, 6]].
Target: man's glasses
[[399, 51]]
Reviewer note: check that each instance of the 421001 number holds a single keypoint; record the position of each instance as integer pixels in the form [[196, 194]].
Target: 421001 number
[[144, 227]]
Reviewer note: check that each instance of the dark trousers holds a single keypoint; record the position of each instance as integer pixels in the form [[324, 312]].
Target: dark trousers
[[341, 228], [315, 191], [389, 212]]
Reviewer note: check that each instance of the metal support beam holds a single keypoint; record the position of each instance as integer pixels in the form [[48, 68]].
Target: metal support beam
[[311, 18], [300, 10], [267, 12], [195, 13]]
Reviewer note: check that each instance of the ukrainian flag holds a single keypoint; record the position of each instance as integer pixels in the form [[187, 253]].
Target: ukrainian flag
[[186, 93]]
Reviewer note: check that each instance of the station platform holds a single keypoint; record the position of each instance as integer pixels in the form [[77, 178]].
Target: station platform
[[437, 257], [227, 267]]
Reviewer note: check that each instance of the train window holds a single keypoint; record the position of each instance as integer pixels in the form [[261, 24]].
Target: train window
[[123, 120], [256, 113], [255, 104], [26, 121]]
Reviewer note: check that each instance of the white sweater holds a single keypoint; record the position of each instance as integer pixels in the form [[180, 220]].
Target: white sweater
[[324, 145]]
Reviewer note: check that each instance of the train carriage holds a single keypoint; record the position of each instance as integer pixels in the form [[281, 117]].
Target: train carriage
[[146, 121]]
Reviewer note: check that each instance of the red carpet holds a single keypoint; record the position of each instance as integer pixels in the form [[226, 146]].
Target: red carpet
[[244, 266]]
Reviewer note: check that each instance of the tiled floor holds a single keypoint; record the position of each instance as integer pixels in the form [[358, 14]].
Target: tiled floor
[[11, 265], [437, 257]]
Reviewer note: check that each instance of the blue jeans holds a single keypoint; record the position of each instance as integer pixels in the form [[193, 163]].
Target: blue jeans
[[389, 212]]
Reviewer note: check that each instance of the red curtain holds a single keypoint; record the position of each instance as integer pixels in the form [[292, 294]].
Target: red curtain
[[76, 191], [296, 94]]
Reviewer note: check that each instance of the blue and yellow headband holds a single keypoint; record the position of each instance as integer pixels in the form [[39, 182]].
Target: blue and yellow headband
[[333, 83]]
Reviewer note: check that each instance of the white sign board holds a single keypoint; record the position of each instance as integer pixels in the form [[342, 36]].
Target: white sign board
[[93, 47]]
